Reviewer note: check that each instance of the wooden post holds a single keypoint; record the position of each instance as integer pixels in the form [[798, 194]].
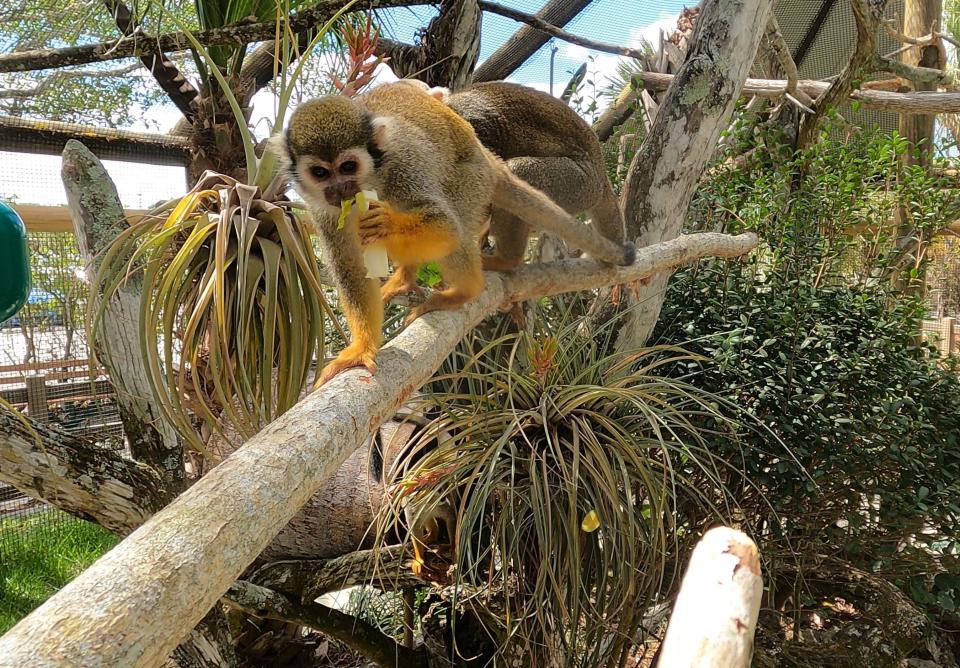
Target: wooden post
[[715, 616], [37, 398], [947, 341]]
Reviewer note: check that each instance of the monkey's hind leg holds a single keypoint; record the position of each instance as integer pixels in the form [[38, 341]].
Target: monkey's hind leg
[[510, 235], [461, 271], [363, 309], [404, 279]]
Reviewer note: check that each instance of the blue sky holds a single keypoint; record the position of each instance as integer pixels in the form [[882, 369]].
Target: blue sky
[[620, 22]]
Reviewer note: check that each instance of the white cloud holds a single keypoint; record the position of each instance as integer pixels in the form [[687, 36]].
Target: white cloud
[[651, 32]]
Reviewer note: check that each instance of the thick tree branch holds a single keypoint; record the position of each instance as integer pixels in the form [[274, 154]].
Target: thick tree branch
[[135, 603], [180, 91], [666, 170], [903, 103], [534, 21], [782, 51], [525, 42], [236, 34], [868, 17], [354, 633], [98, 217], [929, 75], [385, 568], [77, 476]]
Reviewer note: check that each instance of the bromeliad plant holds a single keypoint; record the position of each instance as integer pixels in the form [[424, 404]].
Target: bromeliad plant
[[232, 313], [578, 476]]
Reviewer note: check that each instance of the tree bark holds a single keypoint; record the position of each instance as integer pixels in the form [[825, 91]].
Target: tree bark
[[524, 43], [136, 602], [93, 483], [921, 17], [448, 51], [665, 171], [356, 634], [98, 218]]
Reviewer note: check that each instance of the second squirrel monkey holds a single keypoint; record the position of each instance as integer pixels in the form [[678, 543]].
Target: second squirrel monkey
[[436, 184]]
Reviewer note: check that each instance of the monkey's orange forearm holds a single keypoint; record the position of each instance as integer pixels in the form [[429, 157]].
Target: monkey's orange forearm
[[411, 237]]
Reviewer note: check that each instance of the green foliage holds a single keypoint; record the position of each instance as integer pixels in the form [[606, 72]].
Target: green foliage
[[549, 431], [806, 337], [39, 555]]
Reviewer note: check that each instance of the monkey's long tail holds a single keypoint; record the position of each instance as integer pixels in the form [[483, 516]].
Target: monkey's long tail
[[533, 206]]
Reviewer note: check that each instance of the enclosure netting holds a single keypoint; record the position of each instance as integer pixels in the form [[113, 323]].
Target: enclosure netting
[[45, 366]]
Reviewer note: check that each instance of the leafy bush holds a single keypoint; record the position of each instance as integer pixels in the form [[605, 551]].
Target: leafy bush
[[810, 337]]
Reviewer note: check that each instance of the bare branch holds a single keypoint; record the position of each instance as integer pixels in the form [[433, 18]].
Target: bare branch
[[61, 77], [351, 631], [137, 45], [903, 103], [867, 17], [137, 601], [915, 73], [524, 43], [77, 476], [385, 568], [543, 26], [782, 51]]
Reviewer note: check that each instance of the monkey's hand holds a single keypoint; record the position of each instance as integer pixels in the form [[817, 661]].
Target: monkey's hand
[[354, 355], [377, 223]]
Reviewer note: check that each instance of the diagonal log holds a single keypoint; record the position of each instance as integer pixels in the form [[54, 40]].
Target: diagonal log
[[93, 483], [139, 600]]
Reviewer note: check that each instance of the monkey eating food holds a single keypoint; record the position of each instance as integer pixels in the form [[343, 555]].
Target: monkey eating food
[[436, 184]]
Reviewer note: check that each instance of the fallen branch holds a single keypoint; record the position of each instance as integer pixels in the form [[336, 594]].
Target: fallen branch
[[352, 632], [140, 599]]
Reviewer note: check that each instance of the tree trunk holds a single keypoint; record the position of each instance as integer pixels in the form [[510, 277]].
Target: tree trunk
[[697, 107], [448, 50], [98, 217]]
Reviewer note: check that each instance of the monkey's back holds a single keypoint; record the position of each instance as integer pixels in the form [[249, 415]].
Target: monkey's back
[[516, 121], [432, 144], [441, 126]]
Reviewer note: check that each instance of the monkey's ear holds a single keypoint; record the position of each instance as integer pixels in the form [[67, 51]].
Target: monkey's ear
[[381, 129], [440, 93]]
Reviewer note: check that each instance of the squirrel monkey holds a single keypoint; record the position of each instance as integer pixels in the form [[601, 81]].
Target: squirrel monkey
[[436, 184], [548, 145]]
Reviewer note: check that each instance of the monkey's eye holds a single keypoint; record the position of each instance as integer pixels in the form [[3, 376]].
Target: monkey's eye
[[319, 172], [348, 167]]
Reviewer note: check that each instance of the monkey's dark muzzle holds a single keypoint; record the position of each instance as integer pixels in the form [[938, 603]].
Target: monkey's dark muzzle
[[335, 194]]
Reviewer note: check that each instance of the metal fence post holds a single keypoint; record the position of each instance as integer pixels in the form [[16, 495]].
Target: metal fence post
[[948, 343]]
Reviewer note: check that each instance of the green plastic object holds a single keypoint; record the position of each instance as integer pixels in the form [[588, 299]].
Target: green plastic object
[[14, 264]]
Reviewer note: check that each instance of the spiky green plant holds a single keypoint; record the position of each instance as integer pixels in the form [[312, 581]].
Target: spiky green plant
[[232, 308], [579, 478]]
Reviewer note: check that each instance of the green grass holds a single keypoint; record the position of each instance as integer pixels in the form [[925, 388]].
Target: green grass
[[39, 555]]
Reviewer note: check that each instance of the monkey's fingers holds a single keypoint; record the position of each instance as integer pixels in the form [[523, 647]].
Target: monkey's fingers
[[349, 358], [374, 226]]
